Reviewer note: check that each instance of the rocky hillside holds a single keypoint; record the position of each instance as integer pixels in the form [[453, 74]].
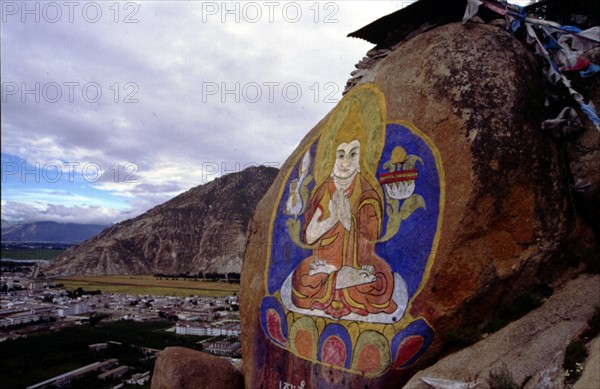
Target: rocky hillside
[[51, 232], [530, 352], [200, 230]]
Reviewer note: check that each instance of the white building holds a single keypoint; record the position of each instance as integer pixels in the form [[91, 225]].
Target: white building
[[73, 309], [182, 328], [223, 348]]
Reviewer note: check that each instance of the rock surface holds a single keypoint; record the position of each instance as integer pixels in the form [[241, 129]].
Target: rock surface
[[531, 348], [181, 368], [582, 150], [201, 230], [476, 93]]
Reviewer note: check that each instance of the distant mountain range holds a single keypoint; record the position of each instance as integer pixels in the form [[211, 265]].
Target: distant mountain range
[[50, 232], [201, 230]]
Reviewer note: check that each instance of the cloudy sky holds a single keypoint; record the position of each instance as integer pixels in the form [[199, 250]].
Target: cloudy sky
[[110, 108]]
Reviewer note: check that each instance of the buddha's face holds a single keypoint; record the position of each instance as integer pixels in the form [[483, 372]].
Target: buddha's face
[[347, 159]]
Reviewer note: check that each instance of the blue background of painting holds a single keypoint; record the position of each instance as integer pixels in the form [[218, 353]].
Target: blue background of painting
[[407, 252]]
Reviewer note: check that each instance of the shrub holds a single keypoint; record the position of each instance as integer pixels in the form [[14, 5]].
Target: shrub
[[501, 378], [575, 354]]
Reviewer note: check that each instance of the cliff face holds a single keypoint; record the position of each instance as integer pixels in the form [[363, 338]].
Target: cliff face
[[200, 230], [529, 351]]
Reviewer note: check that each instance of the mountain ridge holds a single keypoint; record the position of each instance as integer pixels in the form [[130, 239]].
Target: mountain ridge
[[51, 232], [200, 230]]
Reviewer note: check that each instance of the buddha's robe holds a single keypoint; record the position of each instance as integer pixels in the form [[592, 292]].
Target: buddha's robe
[[340, 247]]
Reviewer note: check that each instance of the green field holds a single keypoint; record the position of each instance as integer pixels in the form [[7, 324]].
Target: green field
[[26, 361], [33, 253], [149, 285]]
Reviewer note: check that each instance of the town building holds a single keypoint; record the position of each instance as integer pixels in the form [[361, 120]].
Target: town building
[[114, 373], [201, 329], [65, 378], [73, 309], [223, 348]]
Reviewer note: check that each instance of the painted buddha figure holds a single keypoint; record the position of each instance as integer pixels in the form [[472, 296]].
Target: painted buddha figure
[[343, 221], [335, 288]]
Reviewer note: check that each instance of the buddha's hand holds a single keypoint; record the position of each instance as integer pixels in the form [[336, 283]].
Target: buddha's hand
[[341, 205], [349, 276], [333, 209], [319, 266]]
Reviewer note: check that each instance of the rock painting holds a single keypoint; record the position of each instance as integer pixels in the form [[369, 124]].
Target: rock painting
[[353, 236]]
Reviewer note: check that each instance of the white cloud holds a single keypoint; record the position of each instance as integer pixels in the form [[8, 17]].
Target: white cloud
[[169, 130], [17, 211]]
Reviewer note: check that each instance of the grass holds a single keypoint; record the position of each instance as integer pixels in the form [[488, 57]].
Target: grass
[[149, 285], [34, 253]]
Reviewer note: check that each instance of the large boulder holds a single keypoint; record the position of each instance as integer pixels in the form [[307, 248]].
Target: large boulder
[[181, 368], [427, 199]]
